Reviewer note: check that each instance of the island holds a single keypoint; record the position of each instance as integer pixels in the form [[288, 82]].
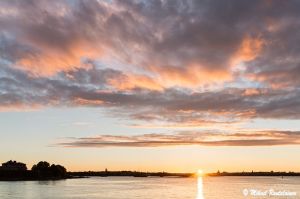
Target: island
[[13, 171]]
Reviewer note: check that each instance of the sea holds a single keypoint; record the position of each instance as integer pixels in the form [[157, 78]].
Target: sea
[[154, 188]]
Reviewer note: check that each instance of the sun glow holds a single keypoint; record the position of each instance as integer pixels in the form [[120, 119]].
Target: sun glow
[[199, 173], [200, 185]]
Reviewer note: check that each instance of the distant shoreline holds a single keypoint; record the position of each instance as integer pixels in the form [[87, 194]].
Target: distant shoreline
[[260, 173], [183, 175], [128, 174]]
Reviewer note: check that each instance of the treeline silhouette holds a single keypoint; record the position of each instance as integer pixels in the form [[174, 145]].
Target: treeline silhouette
[[13, 170], [255, 173], [44, 170], [128, 173]]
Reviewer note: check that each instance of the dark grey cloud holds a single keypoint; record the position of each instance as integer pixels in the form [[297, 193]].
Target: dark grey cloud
[[169, 33], [151, 37], [278, 64], [90, 87], [260, 138]]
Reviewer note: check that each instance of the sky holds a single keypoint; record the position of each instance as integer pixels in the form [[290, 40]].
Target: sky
[[156, 85]]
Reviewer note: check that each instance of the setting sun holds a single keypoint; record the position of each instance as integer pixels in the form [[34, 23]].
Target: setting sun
[[199, 172]]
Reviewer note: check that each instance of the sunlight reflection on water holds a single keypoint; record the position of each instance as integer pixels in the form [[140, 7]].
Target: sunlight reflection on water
[[200, 188]]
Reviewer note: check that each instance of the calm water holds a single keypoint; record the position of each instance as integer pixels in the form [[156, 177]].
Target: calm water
[[149, 188]]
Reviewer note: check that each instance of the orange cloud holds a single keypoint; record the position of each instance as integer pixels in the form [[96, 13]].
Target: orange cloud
[[191, 76], [132, 81], [253, 91], [248, 50], [81, 101], [52, 60], [19, 107]]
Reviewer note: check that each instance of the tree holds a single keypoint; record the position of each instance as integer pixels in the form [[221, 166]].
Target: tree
[[41, 166], [44, 170], [58, 170]]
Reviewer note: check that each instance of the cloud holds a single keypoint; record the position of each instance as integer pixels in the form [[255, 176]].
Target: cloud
[[190, 76], [249, 49], [92, 87], [204, 38], [178, 43], [53, 34], [260, 138], [131, 81], [176, 63]]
